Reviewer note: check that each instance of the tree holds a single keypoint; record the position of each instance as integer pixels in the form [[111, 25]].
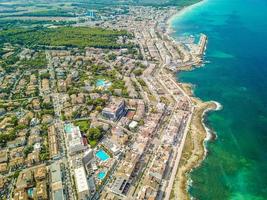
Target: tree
[[99, 108], [28, 150], [44, 155], [83, 125], [94, 134], [138, 72]]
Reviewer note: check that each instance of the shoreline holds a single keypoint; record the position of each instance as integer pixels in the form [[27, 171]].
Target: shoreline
[[211, 135], [179, 13], [194, 151]]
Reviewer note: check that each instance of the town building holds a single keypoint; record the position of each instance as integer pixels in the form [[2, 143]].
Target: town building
[[75, 139], [115, 109], [88, 158], [3, 156], [81, 184], [56, 182], [53, 144]]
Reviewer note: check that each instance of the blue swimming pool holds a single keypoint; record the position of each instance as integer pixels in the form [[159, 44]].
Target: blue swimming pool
[[102, 155], [101, 175], [100, 83], [68, 128], [30, 192]]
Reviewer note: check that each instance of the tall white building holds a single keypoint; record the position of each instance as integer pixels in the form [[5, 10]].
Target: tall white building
[[74, 138], [88, 158], [81, 184]]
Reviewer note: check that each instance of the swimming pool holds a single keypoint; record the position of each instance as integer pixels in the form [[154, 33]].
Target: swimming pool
[[30, 192], [101, 175], [100, 83], [68, 128], [102, 155]]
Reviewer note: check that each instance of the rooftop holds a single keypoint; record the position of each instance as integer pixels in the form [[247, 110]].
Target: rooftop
[[55, 172], [81, 180], [114, 105]]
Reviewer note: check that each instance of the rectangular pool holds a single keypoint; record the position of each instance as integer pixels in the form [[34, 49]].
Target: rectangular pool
[[102, 155], [101, 175]]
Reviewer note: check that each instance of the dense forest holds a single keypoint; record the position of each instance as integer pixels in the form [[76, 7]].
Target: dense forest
[[64, 36]]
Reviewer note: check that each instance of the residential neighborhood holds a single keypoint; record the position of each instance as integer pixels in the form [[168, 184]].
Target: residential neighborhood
[[97, 123]]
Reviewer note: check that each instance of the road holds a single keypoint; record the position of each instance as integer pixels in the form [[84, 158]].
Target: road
[[160, 75]]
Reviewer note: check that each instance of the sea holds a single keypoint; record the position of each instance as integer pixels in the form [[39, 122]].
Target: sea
[[235, 75]]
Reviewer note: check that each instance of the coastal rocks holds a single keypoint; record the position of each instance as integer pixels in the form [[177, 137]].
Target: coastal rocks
[[194, 150]]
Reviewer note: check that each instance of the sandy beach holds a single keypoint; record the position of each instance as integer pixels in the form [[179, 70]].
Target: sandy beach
[[180, 14]]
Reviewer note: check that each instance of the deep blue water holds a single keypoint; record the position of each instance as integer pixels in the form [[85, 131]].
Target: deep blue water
[[236, 166]]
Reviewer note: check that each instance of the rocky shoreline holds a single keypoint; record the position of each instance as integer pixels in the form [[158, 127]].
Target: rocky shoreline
[[194, 151]]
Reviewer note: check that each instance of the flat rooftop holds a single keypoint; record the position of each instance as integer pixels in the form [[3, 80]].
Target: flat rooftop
[[81, 180]]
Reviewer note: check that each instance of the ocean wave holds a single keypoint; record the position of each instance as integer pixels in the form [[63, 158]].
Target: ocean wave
[[210, 134], [218, 105]]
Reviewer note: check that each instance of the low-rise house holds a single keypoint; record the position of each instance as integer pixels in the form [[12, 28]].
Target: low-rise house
[[20, 194], [148, 193], [61, 85], [2, 183], [40, 173], [118, 92], [118, 136], [133, 125], [25, 120], [5, 122], [140, 111], [41, 190], [34, 121], [3, 156], [16, 162], [3, 168], [36, 104], [52, 142], [80, 98], [16, 152], [33, 158], [47, 119], [94, 96], [34, 139], [45, 85], [25, 179], [47, 100], [22, 133], [19, 141]]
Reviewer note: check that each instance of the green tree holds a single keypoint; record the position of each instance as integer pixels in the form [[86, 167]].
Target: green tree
[[94, 134]]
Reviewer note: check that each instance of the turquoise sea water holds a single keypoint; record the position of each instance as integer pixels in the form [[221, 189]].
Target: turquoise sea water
[[236, 165]]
